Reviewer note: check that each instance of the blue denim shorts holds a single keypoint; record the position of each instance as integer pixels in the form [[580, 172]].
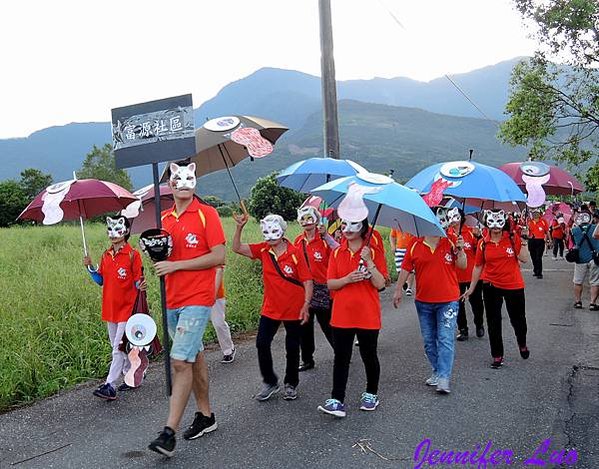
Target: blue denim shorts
[[186, 327]]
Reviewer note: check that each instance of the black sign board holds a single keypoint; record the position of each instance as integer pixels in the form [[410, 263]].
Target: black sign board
[[153, 132]]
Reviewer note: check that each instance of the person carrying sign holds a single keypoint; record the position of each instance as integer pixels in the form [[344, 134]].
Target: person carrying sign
[[198, 248], [287, 295]]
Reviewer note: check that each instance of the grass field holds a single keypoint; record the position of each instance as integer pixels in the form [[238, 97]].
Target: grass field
[[51, 335]]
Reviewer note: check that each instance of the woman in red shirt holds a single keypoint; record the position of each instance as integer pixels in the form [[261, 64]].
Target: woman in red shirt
[[120, 275], [538, 232], [558, 234], [287, 294], [497, 264], [355, 276], [435, 261], [459, 227]]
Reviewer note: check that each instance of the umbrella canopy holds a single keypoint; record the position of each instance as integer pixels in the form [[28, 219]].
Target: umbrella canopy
[[81, 198], [555, 208], [394, 205], [306, 175], [477, 184], [560, 182], [141, 213]]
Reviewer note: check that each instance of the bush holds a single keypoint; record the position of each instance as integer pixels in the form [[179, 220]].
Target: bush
[[268, 197], [225, 210]]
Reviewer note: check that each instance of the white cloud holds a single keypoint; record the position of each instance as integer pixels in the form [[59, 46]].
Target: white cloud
[[69, 60]]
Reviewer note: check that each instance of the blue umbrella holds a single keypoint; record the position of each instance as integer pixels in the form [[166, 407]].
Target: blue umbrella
[[394, 206], [468, 209], [474, 183], [305, 175]]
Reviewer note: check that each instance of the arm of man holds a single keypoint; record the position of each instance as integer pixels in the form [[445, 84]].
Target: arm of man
[[238, 247]]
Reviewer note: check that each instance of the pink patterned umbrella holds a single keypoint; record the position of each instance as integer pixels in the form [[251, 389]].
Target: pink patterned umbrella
[[555, 208], [77, 199], [559, 182], [141, 213]]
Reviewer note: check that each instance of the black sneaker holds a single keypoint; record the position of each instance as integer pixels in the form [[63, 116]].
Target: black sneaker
[[540, 276], [106, 391], [201, 425], [305, 366], [462, 336], [165, 443], [524, 352], [480, 332], [497, 363], [230, 357], [125, 387]]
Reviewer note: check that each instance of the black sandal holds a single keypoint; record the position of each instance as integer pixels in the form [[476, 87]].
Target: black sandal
[[578, 305], [594, 307]]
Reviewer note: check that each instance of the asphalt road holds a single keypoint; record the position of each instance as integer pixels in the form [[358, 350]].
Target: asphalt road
[[553, 395]]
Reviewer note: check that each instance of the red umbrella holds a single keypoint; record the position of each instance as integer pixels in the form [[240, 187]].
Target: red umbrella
[[142, 212], [555, 208], [76, 199], [560, 182]]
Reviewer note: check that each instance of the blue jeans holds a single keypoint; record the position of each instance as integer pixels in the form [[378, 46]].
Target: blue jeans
[[438, 326], [186, 328]]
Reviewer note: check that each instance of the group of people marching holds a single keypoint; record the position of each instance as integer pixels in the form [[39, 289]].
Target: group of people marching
[[316, 278]]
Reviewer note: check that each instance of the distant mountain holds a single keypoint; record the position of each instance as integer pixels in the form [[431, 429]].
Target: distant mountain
[[375, 131]]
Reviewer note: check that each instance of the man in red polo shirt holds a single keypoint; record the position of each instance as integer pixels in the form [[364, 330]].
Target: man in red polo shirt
[[287, 294], [538, 232], [198, 248], [315, 244]]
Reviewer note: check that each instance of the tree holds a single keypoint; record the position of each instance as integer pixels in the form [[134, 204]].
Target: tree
[[33, 181], [554, 109], [268, 197], [13, 201], [101, 164]]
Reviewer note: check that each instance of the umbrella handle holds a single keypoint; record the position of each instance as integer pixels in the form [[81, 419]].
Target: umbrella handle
[[83, 236], [243, 207]]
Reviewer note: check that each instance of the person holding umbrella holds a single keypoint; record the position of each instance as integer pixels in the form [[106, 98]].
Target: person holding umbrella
[[315, 244], [558, 235], [354, 275], [287, 296], [198, 248], [120, 276], [497, 264], [435, 261]]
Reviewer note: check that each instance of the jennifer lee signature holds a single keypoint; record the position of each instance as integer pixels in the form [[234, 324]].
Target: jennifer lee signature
[[427, 456]]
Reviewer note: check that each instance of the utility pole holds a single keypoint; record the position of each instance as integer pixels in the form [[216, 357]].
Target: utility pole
[[329, 88]]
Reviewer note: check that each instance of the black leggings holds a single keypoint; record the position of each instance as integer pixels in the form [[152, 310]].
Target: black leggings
[[478, 307], [266, 332], [343, 343], [307, 339], [536, 247], [558, 245], [516, 310]]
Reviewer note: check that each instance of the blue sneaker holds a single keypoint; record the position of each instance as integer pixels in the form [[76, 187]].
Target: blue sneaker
[[369, 401], [106, 391], [333, 407]]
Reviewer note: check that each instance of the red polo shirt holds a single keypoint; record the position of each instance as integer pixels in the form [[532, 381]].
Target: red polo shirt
[[500, 262], [470, 242], [317, 253], [120, 271], [436, 276], [557, 230], [538, 229], [356, 305], [376, 243], [195, 232], [283, 300]]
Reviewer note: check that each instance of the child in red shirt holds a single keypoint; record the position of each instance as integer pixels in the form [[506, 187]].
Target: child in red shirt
[[120, 276]]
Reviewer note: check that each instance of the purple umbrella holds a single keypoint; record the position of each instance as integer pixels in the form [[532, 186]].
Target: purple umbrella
[[560, 182]]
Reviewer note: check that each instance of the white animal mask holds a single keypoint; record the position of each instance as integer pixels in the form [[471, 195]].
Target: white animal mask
[[183, 177], [273, 227], [495, 219], [454, 216], [307, 216], [443, 217], [351, 226], [116, 227], [582, 218]]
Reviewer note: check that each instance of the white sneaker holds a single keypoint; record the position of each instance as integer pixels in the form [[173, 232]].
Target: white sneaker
[[555, 258], [443, 386], [433, 380]]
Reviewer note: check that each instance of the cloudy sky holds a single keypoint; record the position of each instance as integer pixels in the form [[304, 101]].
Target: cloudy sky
[[72, 61]]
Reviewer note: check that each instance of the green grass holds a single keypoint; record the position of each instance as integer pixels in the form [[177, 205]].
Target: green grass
[[51, 334]]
